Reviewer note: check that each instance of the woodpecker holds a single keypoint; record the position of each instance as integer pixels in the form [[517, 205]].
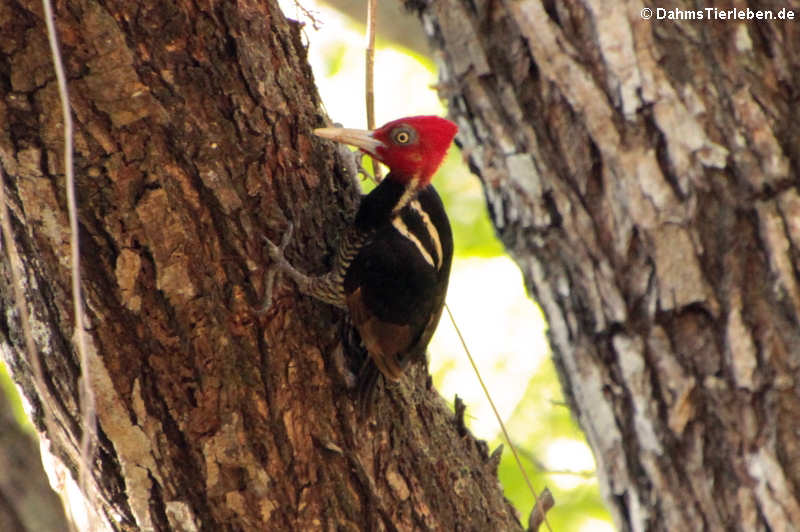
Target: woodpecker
[[393, 262]]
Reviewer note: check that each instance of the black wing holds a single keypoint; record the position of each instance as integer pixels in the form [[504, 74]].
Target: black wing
[[396, 285]]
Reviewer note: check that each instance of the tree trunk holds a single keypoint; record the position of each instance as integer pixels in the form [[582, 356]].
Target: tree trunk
[[193, 142], [644, 175]]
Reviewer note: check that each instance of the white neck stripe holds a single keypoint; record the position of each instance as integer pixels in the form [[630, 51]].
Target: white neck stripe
[[408, 193], [402, 228], [434, 234]]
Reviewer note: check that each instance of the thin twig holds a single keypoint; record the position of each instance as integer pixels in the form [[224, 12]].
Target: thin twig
[[88, 412], [370, 78], [316, 24], [496, 413]]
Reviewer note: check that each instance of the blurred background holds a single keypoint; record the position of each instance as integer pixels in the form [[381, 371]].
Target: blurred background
[[503, 327]]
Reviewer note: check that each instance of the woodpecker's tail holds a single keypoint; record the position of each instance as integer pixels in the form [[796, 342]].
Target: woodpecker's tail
[[367, 384], [361, 364]]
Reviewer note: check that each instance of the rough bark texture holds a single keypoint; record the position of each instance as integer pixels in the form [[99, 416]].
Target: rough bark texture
[[193, 141], [644, 175]]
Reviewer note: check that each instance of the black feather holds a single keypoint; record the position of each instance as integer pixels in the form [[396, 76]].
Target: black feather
[[396, 283]]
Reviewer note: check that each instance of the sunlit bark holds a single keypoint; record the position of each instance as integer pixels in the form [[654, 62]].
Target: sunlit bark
[[643, 174]]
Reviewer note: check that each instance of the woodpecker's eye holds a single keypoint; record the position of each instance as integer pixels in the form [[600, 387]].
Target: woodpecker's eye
[[404, 135]]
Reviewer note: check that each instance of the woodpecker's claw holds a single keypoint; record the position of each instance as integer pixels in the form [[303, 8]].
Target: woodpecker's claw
[[276, 252], [279, 263]]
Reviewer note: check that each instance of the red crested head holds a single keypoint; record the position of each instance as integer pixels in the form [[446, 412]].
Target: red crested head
[[412, 148], [415, 146]]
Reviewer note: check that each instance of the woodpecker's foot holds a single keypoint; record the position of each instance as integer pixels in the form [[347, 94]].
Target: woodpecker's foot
[[280, 264], [276, 252]]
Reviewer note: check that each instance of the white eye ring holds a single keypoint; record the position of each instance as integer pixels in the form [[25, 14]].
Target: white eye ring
[[402, 137]]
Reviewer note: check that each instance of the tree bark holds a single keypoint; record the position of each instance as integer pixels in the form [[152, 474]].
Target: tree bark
[[644, 175], [192, 142]]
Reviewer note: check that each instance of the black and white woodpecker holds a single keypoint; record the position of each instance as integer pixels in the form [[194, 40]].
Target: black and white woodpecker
[[393, 263]]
